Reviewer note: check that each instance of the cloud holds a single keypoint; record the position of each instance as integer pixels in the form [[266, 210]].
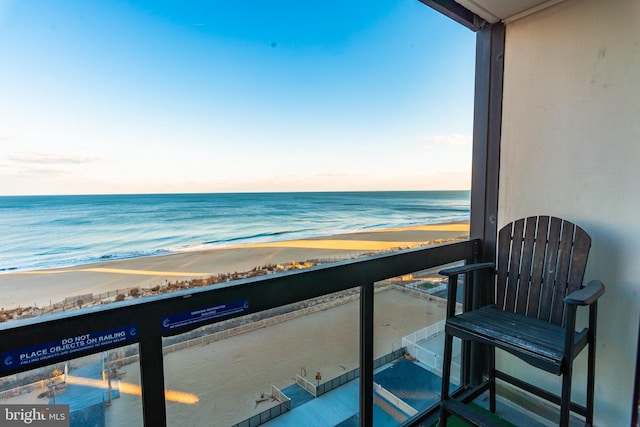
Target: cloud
[[448, 153], [36, 172], [50, 159], [457, 140]]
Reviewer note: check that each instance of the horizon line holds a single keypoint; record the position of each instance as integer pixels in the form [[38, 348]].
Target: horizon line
[[227, 192]]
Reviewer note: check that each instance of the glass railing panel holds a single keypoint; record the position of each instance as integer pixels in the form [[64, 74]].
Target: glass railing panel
[[409, 315], [325, 341], [274, 367], [123, 364], [101, 389]]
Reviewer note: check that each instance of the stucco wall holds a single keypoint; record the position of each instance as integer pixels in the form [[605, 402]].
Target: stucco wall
[[571, 148]]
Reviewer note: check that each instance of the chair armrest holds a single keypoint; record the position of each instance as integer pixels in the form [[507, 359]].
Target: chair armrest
[[461, 269], [452, 285], [587, 295]]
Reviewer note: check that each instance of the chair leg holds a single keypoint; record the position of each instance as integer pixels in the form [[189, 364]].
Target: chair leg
[[590, 384], [591, 368], [492, 379], [446, 375], [565, 402]]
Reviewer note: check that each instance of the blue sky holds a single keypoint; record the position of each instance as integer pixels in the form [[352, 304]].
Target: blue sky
[[219, 96]]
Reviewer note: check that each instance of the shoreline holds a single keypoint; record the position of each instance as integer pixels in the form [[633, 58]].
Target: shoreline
[[448, 225], [44, 287]]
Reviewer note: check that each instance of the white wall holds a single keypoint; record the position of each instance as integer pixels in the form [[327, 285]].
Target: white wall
[[571, 148]]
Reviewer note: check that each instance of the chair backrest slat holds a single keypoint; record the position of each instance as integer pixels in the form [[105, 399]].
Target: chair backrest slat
[[562, 273], [524, 279], [514, 265], [548, 277], [573, 273], [540, 260], [537, 270], [581, 246], [504, 241]]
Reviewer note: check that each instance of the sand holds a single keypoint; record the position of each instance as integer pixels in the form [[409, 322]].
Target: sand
[[43, 287], [228, 376]]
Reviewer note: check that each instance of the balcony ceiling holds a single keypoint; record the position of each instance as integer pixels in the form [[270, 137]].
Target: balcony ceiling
[[505, 10]]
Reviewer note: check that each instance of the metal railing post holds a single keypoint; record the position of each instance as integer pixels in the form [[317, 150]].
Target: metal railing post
[[154, 409], [366, 355]]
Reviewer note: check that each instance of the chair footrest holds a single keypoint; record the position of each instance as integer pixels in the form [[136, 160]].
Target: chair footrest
[[468, 414]]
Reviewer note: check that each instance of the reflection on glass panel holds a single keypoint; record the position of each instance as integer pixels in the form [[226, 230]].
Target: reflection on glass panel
[[409, 319], [123, 367], [277, 367], [101, 389]]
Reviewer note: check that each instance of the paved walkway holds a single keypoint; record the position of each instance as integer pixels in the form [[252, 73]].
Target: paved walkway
[[339, 407], [330, 409], [298, 395]]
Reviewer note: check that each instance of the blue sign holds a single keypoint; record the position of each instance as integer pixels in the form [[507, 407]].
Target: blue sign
[[68, 346], [204, 314]]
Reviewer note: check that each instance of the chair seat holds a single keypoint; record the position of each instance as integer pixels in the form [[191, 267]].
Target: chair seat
[[537, 342]]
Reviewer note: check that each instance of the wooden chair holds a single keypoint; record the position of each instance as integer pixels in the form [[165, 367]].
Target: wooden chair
[[538, 286]]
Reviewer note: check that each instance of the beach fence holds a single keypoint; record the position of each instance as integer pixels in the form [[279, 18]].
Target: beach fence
[[307, 385], [327, 386], [416, 344], [392, 404], [404, 283], [336, 382], [28, 388], [424, 333], [77, 301], [70, 303], [122, 361], [271, 413], [259, 324], [253, 325], [208, 338], [413, 341], [317, 391], [435, 286], [27, 382]]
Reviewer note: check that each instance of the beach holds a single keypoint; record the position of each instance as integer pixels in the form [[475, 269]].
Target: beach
[[229, 376], [222, 383], [43, 287], [226, 379]]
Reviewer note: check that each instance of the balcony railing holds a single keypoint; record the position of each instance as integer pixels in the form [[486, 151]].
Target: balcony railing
[[42, 341]]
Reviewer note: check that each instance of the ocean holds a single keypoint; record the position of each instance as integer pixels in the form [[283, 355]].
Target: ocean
[[40, 232]]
